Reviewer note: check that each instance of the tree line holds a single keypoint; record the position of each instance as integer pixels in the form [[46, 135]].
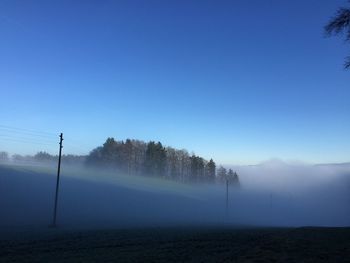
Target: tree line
[[137, 157], [42, 157]]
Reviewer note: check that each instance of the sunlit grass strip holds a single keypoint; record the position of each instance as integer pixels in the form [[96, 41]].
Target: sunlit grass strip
[[142, 183]]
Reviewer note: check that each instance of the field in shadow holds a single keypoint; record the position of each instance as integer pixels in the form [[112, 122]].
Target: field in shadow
[[27, 196], [130, 219], [93, 199], [183, 244]]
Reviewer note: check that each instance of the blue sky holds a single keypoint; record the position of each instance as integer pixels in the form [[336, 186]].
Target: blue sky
[[238, 81]]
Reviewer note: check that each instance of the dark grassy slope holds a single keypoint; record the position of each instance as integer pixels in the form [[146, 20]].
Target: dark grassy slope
[[184, 245], [90, 199], [23, 200], [26, 199]]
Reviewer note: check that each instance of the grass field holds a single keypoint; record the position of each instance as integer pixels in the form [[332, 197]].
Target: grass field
[[99, 197], [114, 218], [181, 244]]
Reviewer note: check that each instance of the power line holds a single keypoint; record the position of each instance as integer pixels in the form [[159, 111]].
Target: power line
[[28, 130], [38, 137], [26, 139], [30, 142], [78, 148], [6, 130]]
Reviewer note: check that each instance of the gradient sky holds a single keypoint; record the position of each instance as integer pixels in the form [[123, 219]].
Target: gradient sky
[[240, 81]]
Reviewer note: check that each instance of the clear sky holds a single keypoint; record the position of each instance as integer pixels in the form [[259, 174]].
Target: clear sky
[[239, 81]]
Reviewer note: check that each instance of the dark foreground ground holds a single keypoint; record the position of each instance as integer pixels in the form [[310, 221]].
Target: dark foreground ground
[[182, 244]]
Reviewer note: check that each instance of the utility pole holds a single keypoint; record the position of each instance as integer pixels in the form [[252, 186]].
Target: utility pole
[[58, 181], [226, 198]]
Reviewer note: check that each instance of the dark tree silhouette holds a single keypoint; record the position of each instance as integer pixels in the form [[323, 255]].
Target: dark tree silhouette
[[155, 159], [222, 174], [340, 23], [197, 168], [136, 157], [232, 178], [44, 156], [210, 171]]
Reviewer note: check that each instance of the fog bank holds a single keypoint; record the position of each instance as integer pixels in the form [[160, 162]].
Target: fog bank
[[271, 194]]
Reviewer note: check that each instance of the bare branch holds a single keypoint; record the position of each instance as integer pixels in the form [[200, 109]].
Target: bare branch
[[347, 63], [339, 23]]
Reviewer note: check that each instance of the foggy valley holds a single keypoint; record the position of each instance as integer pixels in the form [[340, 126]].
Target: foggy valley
[[174, 131], [271, 194]]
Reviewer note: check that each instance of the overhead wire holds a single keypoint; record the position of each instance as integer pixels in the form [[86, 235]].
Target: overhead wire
[[23, 135], [5, 130], [27, 141], [27, 130], [26, 137]]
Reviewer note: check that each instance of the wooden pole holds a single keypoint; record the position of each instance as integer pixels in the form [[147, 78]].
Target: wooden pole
[[226, 198], [57, 181]]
